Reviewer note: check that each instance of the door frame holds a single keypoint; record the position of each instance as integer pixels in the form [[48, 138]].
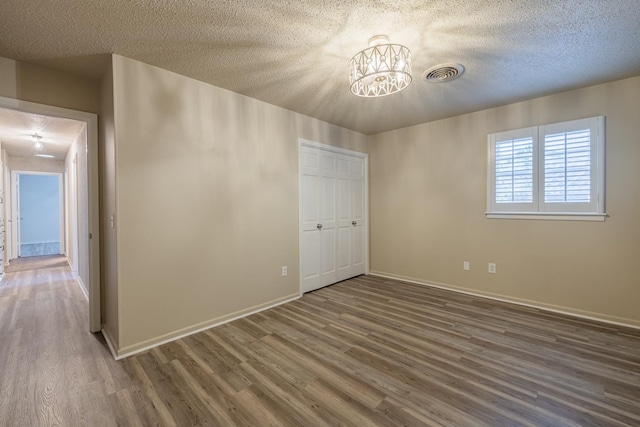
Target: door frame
[[339, 150], [93, 195], [15, 224]]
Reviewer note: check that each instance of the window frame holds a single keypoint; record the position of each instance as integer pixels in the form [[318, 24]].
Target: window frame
[[594, 210]]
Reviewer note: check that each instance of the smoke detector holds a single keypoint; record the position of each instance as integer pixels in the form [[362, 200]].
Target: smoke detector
[[443, 73]]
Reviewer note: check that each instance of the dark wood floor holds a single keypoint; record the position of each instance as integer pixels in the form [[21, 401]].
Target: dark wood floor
[[363, 352]]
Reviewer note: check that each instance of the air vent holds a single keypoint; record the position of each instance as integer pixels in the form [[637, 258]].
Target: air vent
[[443, 73]]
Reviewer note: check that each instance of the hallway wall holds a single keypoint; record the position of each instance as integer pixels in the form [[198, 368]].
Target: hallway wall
[[28, 82]]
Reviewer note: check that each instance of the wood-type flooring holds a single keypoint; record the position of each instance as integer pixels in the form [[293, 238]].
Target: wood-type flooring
[[364, 352]]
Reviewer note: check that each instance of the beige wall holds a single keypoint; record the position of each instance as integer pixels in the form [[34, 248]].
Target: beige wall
[[8, 78], [108, 253], [428, 198], [42, 85], [207, 201], [70, 206], [76, 172], [35, 164]]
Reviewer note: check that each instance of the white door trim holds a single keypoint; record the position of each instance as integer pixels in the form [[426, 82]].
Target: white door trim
[[14, 218], [93, 196], [333, 149]]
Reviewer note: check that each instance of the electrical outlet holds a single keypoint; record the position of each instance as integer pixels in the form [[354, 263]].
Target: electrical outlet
[[466, 266], [492, 268], [284, 270]]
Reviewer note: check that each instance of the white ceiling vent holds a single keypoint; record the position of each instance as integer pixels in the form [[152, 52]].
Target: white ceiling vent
[[443, 73]]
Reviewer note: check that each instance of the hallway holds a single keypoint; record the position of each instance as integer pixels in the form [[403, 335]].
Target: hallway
[[53, 370]]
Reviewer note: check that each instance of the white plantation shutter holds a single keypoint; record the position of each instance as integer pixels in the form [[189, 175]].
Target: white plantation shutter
[[512, 170], [569, 175], [567, 167], [556, 168]]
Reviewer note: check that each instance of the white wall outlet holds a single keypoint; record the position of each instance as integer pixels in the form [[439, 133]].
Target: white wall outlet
[[466, 266], [492, 268], [284, 270]]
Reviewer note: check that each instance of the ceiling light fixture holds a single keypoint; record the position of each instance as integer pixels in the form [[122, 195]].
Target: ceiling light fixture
[[38, 146], [46, 156], [381, 69]]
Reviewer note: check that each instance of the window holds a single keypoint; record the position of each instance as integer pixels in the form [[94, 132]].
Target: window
[[554, 171]]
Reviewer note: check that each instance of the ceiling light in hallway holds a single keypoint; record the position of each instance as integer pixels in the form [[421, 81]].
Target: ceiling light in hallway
[[38, 146]]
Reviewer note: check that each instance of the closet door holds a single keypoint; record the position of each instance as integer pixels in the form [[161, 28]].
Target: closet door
[[328, 222], [351, 218], [358, 217], [317, 218], [332, 217]]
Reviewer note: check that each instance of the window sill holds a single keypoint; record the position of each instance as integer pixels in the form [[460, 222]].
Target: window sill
[[548, 216]]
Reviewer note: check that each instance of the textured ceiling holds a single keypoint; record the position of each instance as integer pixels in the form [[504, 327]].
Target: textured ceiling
[[17, 130], [295, 54]]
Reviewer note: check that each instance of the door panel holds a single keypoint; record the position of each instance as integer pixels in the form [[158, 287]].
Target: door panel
[[344, 207], [343, 254], [328, 220], [357, 201], [311, 255], [328, 202], [310, 200], [328, 245], [357, 250], [356, 223]]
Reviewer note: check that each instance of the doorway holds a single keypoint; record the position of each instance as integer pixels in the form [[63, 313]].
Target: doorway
[[39, 210], [79, 167]]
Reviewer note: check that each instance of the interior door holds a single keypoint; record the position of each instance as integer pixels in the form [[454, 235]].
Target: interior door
[[343, 253], [310, 208], [328, 221], [332, 217], [351, 209], [317, 221], [358, 218], [318, 218]]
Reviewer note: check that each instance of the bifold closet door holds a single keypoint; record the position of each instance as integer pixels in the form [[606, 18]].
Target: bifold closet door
[[332, 221], [318, 218], [350, 205]]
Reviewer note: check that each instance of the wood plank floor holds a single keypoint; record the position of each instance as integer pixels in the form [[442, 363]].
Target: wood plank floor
[[36, 262], [367, 351]]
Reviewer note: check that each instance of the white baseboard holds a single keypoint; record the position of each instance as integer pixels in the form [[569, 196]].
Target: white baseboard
[[110, 344], [583, 314], [130, 350], [83, 288]]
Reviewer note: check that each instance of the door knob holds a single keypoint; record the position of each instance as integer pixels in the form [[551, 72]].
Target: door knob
[[354, 223], [319, 226]]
